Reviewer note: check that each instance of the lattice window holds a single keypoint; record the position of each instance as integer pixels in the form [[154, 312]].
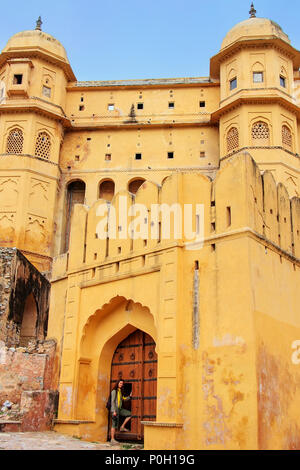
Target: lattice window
[[232, 139], [43, 145], [287, 140], [14, 142], [260, 133]]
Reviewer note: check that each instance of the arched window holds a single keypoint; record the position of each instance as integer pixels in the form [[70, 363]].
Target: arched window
[[29, 321], [287, 139], [75, 195], [14, 142], [134, 185], [232, 139], [260, 134], [107, 190], [43, 145]]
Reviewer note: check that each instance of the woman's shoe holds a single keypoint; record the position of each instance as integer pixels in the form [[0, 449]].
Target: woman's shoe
[[113, 442], [124, 430]]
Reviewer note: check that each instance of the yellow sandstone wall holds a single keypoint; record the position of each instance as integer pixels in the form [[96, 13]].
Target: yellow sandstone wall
[[213, 380]]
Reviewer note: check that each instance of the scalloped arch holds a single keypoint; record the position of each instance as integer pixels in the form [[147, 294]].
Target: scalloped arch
[[114, 302]]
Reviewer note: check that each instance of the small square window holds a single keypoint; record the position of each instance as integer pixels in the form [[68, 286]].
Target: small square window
[[140, 106], [111, 107], [170, 154], [108, 157], [81, 107], [233, 83], [138, 156], [77, 158], [202, 104], [258, 77], [202, 154], [171, 104], [18, 79], [282, 81], [46, 91]]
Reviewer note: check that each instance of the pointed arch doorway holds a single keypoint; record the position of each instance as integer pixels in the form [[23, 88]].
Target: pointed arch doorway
[[135, 362]]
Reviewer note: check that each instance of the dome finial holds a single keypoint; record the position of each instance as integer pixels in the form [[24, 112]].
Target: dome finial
[[39, 24], [252, 11]]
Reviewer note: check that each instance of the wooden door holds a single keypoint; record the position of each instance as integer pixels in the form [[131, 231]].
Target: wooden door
[[135, 362]]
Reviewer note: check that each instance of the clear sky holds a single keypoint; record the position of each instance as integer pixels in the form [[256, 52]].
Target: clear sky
[[128, 39]]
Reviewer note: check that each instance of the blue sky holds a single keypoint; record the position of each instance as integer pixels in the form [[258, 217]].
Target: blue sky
[[117, 39]]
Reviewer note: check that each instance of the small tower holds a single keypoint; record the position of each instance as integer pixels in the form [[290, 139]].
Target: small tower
[[257, 114], [35, 71]]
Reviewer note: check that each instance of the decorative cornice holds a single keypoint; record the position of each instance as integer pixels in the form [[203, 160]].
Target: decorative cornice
[[269, 147], [29, 156], [268, 42], [35, 105], [293, 108], [144, 83], [256, 89]]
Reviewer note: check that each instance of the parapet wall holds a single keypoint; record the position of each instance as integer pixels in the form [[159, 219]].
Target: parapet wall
[[239, 198]]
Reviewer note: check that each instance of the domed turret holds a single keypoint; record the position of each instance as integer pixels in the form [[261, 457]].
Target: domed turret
[[254, 28], [36, 40], [36, 43]]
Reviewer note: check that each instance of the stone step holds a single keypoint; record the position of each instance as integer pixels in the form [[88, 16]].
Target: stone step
[[10, 426]]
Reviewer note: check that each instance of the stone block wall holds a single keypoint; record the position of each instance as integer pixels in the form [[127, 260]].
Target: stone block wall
[[27, 360], [18, 280], [25, 381]]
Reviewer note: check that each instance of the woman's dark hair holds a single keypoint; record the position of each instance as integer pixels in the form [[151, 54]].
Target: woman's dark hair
[[117, 384]]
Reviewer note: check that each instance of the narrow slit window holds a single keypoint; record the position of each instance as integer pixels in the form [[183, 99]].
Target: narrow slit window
[[228, 216], [197, 224]]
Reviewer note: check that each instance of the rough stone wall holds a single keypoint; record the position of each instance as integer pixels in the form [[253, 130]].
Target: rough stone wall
[[7, 256], [18, 279], [25, 381], [25, 372]]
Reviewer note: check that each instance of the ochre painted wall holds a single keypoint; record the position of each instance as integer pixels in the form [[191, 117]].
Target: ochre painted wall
[[223, 314]]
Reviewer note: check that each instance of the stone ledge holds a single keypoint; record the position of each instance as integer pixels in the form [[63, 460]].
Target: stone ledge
[[71, 421], [10, 422], [157, 424]]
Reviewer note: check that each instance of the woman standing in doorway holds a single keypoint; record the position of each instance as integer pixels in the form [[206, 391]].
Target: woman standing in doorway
[[116, 409]]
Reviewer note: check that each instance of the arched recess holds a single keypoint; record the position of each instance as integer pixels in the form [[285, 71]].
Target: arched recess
[[260, 133], [102, 334], [75, 194], [287, 137], [43, 145], [15, 141], [28, 329], [232, 139], [106, 189], [135, 184]]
